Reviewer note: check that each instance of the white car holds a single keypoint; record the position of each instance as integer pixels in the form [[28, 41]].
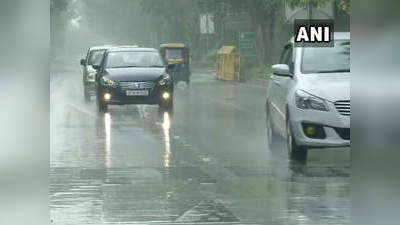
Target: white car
[[308, 97]]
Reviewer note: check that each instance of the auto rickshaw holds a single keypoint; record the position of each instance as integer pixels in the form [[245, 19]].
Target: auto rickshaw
[[178, 54]]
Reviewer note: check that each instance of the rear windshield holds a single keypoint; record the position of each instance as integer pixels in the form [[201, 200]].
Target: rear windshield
[[327, 60], [173, 53]]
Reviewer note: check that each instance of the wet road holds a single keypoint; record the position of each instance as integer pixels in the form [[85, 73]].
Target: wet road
[[206, 163]]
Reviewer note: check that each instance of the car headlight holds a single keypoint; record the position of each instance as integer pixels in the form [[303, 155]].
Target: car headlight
[[307, 101], [108, 82], [165, 80]]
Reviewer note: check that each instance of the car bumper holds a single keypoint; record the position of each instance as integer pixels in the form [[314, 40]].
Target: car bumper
[[119, 97], [334, 128]]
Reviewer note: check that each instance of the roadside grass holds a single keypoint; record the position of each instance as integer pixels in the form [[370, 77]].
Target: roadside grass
[[258, 72]]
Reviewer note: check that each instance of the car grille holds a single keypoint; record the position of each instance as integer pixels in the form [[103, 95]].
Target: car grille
[[343, 107], [344, 133], [136, 85]]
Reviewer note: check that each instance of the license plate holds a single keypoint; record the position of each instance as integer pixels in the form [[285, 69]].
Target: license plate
[[137, 93]]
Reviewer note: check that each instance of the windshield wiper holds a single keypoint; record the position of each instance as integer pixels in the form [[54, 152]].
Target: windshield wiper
[[333, 71]]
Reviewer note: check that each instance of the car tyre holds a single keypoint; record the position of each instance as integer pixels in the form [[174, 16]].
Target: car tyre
[[296, 152]]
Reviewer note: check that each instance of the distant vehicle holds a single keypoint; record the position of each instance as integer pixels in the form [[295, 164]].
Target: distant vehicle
[[133, 75], [94, 55], [177, 53], [308, 99]]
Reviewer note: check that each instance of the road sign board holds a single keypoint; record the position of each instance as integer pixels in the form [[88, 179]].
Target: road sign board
[[247, 44]]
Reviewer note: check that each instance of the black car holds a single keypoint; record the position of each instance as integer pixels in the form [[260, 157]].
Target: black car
[[133, 76], [94, 56]]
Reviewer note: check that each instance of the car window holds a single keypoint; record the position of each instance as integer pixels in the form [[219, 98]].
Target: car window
[[133, 59], [173, 53], [327, 60], [95, 57]]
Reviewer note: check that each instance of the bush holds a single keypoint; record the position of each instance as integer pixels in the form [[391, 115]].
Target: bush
[[208, 61], [251, 69]]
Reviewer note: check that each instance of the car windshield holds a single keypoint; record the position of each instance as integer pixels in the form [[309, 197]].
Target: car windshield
[[327, 60], [134, 59], [173, 53], [95, 57]]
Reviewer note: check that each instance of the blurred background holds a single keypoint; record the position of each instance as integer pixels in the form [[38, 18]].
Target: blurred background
[[257, 28]]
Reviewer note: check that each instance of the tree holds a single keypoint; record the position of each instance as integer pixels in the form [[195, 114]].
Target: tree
[[177, 20], [58, 22], [264, 16]]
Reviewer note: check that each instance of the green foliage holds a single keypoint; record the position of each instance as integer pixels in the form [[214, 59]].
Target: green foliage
[[342, 4], [208, 61], [60, 5], [252, 70], [180, 18], [306, 2], [177, 19]]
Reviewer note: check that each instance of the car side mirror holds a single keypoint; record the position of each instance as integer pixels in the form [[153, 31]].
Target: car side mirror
[[83, 62], [281, 70], [96, 67]]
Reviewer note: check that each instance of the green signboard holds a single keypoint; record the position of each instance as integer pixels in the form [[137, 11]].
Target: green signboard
[[246, 44]]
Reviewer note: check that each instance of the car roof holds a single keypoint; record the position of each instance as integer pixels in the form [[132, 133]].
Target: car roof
[[102, 47], [131, 49], [336, 35], [173, 45]]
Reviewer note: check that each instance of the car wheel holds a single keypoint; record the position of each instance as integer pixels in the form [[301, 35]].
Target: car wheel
[[298, 153]]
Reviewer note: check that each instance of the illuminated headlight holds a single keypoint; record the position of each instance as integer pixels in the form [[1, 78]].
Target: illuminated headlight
[[107, 96], [307, 101], [108, 82], [165, 80], [166, 95]]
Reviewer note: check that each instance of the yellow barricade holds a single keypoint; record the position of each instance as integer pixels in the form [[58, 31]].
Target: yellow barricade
[[228, 63]]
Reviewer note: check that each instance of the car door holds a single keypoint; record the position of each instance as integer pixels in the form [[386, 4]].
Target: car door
[[100, 71], [281, 84], [84, 69]]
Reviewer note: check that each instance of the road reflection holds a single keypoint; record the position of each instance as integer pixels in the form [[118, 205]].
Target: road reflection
[[166, 124], [107, 128]]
